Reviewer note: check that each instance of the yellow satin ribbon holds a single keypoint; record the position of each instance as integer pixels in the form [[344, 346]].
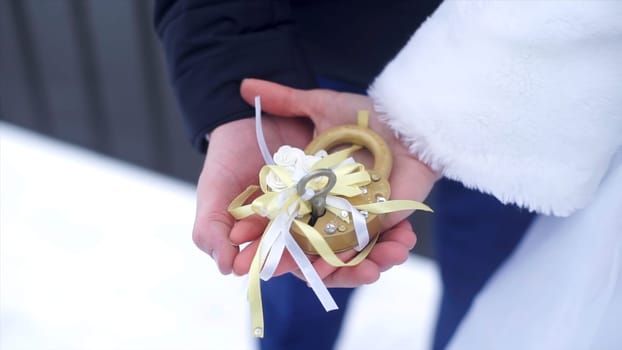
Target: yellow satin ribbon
[[351, 176]]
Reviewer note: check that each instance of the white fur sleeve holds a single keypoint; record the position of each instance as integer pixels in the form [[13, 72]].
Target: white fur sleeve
[[520, 99]]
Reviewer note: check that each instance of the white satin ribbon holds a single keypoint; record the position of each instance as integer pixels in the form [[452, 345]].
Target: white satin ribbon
[[263, 147], [358, 220], [277, 238]]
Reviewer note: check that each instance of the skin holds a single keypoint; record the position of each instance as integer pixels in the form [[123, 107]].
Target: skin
[[295, 115]]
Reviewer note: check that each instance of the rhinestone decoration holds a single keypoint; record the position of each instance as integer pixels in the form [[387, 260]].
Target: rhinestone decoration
[[344, 214], [257, 331], [364, 213], [330, 228], [380, 199], [364, 189]]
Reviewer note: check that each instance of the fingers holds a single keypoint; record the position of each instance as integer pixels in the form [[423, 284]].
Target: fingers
[[275, 98], [366, 272], [402, 233], [324, 107], [324, 269], [212, 222], [247, 230], [211, 234], [242, 262], [392, 249], [394, 246]]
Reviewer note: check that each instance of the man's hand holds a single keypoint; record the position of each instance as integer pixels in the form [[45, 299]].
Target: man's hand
[[410, 179], [232, 163]]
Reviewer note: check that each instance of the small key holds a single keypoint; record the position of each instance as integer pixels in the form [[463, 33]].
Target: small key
[[318, 201]]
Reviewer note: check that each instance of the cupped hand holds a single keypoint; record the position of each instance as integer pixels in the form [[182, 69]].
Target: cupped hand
[[232, 163], [410, 179]]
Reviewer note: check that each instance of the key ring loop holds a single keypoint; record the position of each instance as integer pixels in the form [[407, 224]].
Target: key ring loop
[[318, 201]]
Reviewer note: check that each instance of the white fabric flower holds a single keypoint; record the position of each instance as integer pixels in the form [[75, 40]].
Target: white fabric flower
[[296, 162], [288, 156]]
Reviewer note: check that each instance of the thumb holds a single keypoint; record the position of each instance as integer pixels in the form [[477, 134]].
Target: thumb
[[277, 99]]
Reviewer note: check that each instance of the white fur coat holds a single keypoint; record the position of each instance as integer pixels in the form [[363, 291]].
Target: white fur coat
[[523, 100]]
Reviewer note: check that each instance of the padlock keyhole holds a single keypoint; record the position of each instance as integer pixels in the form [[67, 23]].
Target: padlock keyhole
[[313, 219]]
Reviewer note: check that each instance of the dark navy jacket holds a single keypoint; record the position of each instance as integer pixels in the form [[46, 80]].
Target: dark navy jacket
[[211, 45]]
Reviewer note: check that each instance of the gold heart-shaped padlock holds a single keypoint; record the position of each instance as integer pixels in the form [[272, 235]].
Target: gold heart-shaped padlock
[[338, 233]]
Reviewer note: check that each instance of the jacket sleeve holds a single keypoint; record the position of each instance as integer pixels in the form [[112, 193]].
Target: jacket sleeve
[[210, 46], [522, 100]]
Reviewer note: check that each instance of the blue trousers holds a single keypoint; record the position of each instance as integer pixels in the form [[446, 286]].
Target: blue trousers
[[473, 234]]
